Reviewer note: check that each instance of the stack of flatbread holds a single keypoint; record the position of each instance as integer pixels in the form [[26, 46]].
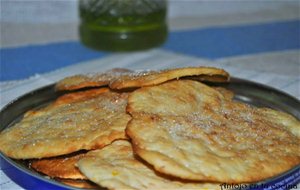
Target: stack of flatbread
[[165, 129]]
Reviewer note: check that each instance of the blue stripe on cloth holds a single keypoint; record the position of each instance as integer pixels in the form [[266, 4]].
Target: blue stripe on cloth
[[220, 42], [22, 62], [211, 43]]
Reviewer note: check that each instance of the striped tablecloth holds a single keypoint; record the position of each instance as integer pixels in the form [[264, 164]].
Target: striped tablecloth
[[257, 41]]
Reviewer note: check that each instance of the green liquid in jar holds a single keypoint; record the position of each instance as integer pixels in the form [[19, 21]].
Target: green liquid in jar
[[123, 25]]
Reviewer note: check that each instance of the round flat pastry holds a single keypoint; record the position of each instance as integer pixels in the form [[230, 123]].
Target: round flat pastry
[[116, 167], [83, 184], [149, 78], [62, 167], [91, 80], [189, 130], [123, 78], [82, 120], [225, 92]]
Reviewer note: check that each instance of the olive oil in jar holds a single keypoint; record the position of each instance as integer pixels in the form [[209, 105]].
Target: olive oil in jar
[[123, 25]]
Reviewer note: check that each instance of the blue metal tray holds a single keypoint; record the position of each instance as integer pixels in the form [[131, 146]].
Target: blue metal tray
[[246, 91]]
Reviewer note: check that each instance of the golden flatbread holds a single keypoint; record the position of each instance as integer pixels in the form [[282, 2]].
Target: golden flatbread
[[225, 92], [189, 130], [82, 120], [120, 79], [59, 167], [90, 80], [116, 167], [150, 78], [84, 184], [285, 120]]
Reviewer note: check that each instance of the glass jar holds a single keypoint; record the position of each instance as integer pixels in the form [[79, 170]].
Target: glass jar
[[122, 25]]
